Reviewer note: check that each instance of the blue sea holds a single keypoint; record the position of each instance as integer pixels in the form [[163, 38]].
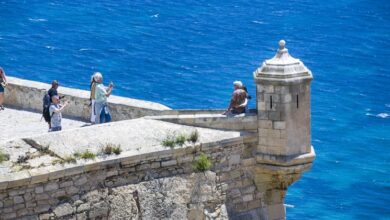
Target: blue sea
[[186, 54]]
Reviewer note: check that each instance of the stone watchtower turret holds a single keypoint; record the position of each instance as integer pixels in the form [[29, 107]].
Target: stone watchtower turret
[[284, 148]]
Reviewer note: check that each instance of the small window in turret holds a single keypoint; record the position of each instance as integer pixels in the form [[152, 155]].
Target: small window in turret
[[297, 101], [270, 102]]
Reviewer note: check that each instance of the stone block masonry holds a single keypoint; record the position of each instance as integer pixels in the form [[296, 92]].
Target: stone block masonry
[[63, 194]]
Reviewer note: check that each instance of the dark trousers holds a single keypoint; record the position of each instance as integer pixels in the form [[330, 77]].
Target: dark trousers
[[239, 110]]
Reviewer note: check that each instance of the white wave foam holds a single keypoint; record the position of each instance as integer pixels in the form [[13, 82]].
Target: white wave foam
[[258, 22], [289, 206], [155, 16], [382, 115], [50, 47], [85, 49], [37, 19]]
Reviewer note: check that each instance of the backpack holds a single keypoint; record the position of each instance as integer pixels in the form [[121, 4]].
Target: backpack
[[246, 90], [46, 107]]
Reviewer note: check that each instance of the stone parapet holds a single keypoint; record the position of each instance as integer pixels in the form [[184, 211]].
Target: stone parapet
[[242, 122], [26, 94]]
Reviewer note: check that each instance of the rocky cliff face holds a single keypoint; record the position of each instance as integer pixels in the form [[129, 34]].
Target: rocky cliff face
[[191, 196]]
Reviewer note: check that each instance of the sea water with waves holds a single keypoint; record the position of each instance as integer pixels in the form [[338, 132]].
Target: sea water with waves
[[186, 54]]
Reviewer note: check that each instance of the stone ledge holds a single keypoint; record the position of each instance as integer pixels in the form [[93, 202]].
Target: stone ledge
[[279, 160]]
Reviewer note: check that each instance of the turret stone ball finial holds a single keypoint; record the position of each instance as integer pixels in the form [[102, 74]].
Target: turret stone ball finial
[[282, 44]]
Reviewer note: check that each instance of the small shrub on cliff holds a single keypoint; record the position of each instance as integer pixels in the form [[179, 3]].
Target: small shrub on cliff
[[203, 163], [110, 148], [194, 136], [180, 139], [3, 156], [85, 155], [169, 141], [117, 149]]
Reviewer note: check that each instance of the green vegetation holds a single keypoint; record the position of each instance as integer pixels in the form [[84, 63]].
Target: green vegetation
[[171, 140], [3, 156], [181, 139], [117, 150], [202, 164], [85, 155], [194, 136], [88, 155], [67, 159], [110, 148]]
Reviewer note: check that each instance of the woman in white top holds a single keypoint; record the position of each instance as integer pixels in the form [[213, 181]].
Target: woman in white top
[[101, 94]]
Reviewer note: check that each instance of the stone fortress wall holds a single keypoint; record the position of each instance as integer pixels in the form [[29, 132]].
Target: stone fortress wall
[[255, 158], [38, 192]]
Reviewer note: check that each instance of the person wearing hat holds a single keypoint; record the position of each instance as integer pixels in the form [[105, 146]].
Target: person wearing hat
[[239, 99], [53, 90]]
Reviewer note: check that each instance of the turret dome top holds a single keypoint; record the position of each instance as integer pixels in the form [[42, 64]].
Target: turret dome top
[[282, 66]]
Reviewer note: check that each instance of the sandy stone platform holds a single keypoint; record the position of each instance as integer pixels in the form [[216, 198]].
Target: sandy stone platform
[[18, 123]]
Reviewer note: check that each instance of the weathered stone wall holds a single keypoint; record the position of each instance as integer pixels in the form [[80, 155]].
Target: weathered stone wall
[[66, 192], [26, 94]]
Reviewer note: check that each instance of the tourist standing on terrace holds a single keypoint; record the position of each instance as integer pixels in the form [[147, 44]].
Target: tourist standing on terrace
[[3, 84], [55, 112], [92, 97], [53, 90], [239, 99], [101, 93]]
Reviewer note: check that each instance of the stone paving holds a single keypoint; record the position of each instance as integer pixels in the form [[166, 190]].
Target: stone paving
[[25, 138], [18, 123]]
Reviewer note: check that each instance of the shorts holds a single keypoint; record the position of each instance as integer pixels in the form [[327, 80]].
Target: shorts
[[1, 89]]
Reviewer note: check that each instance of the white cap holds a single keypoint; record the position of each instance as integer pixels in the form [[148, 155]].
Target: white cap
[[97, 76], [237, 83]]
